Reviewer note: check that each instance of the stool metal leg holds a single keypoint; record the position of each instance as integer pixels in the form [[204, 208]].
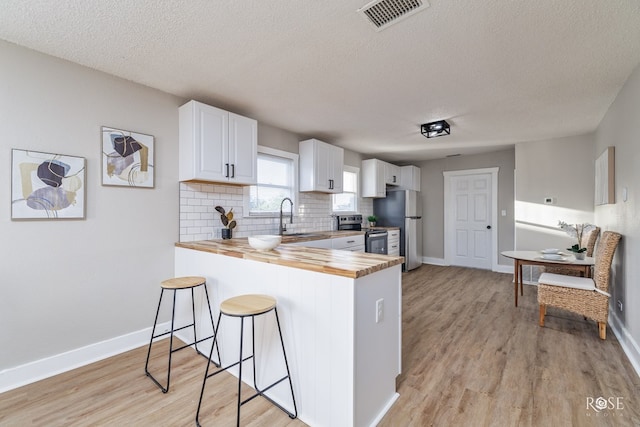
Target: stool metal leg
[[260, 392], [206, 372], [240, 361], [213, 325], [146, 365], [240, 368], [173, 330]]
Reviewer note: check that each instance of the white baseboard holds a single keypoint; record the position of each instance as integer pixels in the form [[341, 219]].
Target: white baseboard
[[386, 408], [629, 345], [433, 261], [44, 368], [501, 268]]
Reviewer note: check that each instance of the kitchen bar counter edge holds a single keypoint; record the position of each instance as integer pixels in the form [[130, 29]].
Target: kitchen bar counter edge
[[329, 261]]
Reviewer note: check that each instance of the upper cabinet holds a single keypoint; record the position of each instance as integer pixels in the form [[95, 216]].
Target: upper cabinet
[[216, 145], [321, 166], [410, 178], [376, 175], [373, 178], [391, 174]]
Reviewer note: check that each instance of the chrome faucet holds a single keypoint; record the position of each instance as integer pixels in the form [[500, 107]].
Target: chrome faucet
[[283, 227]]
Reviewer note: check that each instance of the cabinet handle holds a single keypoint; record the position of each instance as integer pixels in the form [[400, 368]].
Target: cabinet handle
[[330, 184], [351, 241], [233, 170], [394, 178], [226, 173]]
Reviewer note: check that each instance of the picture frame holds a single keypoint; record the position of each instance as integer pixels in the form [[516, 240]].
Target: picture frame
[[127, 158], [47, 185], [605, 178]]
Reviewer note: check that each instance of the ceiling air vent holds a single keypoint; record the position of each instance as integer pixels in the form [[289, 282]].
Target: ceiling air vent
[[384, 13]]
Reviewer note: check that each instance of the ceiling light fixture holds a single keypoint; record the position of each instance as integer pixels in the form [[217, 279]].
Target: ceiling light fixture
[[434, 129]]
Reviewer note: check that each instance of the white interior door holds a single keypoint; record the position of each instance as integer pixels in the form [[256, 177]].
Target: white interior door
[[472, 220]]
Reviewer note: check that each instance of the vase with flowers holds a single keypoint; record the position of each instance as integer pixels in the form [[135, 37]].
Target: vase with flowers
[[576, 231], [226, 217]]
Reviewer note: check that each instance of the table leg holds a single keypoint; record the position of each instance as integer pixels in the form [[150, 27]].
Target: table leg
[[515, 280], [521, 281]]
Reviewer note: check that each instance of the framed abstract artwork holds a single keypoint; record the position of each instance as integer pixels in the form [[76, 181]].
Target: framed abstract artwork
[[47, 185], [127, 158]]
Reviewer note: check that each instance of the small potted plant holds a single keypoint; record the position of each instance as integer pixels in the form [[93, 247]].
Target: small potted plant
[[577, 231], [227, 220], [372, 220]]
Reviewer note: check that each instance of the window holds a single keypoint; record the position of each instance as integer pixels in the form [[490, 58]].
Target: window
[[347, 201], [277, 172]]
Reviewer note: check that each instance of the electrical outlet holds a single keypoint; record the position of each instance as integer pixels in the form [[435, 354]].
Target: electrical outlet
[[619, 305], [380, 310]]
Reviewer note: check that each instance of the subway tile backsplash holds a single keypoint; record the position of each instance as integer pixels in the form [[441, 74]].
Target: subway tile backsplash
[[200, 221]]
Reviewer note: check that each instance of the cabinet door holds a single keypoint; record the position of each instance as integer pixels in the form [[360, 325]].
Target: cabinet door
[[203, 142], [373, 184], [392, 174], [243, 149], [336, 169], [410, 178], [321, 167]]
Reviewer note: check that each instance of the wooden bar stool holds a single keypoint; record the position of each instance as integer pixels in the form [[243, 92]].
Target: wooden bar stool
[[177, 284], [249, 306]]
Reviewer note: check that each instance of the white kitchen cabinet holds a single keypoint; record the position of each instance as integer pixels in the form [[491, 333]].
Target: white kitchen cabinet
[[376, 175], [391, 174], [410, 178], [393, 242], [216, 145], [322, 243], [349, 243], [321, 166], [373, 184]]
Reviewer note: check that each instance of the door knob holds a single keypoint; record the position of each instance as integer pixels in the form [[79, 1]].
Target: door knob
[[488, 227]]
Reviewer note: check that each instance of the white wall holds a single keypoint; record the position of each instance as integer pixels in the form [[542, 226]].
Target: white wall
[[432, 191], [72, 283], [562, 169], [621, 128]]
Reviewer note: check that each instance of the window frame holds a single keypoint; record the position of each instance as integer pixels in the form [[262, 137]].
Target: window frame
[[294, 189], [356, 171]]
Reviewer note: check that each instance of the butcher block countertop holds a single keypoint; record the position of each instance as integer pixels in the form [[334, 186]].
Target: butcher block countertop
[[330, 261]]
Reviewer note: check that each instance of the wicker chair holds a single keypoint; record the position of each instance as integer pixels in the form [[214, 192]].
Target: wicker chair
[[586, 296], [588, 241]]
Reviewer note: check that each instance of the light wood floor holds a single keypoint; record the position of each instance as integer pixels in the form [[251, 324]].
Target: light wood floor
[[469, 359]]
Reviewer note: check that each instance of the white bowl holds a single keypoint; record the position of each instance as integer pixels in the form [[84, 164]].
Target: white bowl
[[265, 242], [550, 251], [552, 256]]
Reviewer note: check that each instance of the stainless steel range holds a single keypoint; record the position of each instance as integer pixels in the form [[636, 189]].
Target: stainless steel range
[[375, 240]]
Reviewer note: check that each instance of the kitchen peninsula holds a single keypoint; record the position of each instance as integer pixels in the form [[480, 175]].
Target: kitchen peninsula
[[341, 319]]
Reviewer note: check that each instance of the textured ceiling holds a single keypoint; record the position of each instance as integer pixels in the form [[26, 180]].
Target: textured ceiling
[[499, 71]]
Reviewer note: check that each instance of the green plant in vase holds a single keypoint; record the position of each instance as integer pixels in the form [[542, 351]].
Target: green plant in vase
[[227, 220], [372, 220], [576, 231]]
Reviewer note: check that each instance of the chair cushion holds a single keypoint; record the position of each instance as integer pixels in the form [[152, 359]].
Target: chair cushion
[[567, 281]]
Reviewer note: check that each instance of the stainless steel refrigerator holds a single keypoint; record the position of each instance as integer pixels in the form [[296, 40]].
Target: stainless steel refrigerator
[[403, 208]]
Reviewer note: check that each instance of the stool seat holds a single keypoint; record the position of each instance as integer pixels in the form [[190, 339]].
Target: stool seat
[[247, 305], [183, 282]]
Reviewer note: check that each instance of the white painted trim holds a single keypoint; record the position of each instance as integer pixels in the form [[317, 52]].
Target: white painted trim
[[433, 261], [44, 368], [501, 268], [629, 345], [448, 200], [384, 411]]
